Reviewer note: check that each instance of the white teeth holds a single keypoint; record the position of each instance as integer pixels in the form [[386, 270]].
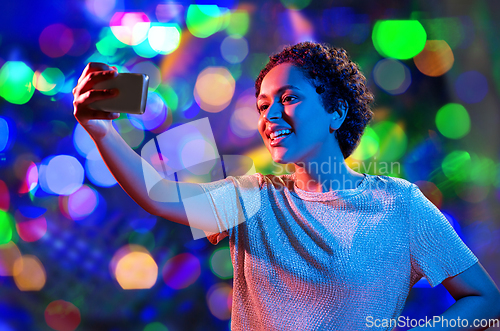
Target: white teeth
[[275, 134]]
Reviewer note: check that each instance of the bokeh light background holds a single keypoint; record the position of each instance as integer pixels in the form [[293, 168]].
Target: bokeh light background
[[77, 253]]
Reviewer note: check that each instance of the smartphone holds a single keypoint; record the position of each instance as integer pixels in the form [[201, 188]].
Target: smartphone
[[131, 98]]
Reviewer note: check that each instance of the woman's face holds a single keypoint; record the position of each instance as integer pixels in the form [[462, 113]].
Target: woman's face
[[293, 123]]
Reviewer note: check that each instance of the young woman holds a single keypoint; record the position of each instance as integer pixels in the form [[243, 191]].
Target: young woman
[[324, 248]]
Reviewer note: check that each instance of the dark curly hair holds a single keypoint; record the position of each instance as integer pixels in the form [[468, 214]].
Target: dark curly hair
[[335, 77]]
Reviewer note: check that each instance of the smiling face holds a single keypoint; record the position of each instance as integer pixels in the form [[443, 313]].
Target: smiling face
[[293, 123]]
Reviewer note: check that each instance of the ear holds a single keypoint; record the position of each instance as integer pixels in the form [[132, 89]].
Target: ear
[[341, 108]]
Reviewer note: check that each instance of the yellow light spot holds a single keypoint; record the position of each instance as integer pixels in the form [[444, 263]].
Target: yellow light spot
[[40, 82], [9, 253], [214, 89], [136, 270], [239, 22], [435, 59], [29, 273], [264, 163]]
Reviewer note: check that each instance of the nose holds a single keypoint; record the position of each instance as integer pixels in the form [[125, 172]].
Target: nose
[[275, 111]]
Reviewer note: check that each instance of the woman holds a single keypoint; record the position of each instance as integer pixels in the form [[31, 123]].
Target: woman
[[324, 248]]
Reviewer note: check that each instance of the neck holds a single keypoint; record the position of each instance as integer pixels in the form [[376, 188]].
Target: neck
[[328, 173]]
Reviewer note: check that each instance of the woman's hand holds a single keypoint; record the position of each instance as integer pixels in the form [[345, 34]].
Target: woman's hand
[[96, 122]]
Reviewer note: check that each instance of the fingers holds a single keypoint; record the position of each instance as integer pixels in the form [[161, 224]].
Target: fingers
[[103, 115], [84, 95], [93, 78], [83, 110], [94, 95], [99, 115], [92, 67]]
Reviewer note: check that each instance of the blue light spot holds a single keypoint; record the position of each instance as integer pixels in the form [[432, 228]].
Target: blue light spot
[[471, 86], [154, 116], [148, 314], [32, 211], [61, 174], [4, 134]]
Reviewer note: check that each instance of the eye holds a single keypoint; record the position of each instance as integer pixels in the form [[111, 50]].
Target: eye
[[263, 107], [288, 98]]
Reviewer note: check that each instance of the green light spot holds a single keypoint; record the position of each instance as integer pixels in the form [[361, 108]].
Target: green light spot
[[184, 92], [368, 146], [105, 48], [296, 4], [16, 82], [203, 20], [168, 94], [145, 50], [225, 18], [456, 166], [453, 121], [449, 29], [399, 39], [220, 263], [108, 43], [235, 70], [53, 77], [106, 32], [155, 326], [146, 240], [257, 63], [5, 227], [239, 23], [392, 141], [483, 170]]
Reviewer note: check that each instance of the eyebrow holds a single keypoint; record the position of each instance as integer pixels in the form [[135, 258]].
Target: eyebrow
[[281, 89]]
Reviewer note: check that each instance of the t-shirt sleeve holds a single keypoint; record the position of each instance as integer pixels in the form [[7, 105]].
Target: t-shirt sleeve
[[436, 250], [233, 200]]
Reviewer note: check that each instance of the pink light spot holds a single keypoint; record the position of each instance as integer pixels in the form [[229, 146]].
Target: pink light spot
[[82, 203], [130, 28], [32, 230], [181, 271], [32, 177], [56, 40], [62, 315], [4, 196]]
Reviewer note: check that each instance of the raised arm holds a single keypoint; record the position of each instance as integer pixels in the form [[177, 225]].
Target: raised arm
[[126, 165]]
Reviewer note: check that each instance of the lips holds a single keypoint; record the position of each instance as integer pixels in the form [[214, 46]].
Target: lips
[[280, 133], [277, 137]]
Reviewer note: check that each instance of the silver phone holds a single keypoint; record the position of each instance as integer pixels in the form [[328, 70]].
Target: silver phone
[[131, 98]]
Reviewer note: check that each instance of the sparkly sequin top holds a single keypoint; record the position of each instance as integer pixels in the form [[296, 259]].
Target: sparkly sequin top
[[333, 260]]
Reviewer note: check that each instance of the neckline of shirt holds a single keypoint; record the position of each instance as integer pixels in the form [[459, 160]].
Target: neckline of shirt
[[330, 195]]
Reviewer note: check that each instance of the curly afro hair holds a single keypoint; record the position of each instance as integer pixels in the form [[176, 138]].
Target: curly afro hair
[[335, 77]]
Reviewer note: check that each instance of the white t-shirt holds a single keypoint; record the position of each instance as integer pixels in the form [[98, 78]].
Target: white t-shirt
[[329, 261]]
